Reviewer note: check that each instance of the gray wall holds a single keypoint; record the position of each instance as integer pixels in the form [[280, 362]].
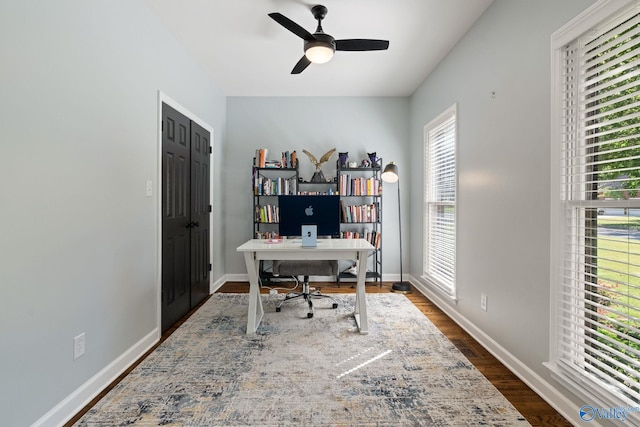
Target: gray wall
[[503, 201], [353, 124], [78, 237]]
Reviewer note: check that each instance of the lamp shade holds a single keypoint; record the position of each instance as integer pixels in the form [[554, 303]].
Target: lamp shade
[[390, 173]]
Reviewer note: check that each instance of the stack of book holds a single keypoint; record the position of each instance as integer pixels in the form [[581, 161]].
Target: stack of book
[[267, 214], [266, 235], [287, 160], [370, 236], [359, 213], [273, 187], [328, 192], [359, 186], [260, 160]]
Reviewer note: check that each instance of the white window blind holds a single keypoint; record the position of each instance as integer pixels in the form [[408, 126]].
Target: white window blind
[[597, 288], [440, 195]]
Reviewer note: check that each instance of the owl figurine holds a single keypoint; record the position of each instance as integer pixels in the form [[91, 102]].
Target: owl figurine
[[373, 158], [343, 157]]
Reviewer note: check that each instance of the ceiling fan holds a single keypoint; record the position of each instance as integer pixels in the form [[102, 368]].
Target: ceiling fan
[[319, 47]]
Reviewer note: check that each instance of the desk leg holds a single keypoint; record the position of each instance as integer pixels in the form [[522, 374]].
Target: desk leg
[[256, 311], [361, 303]]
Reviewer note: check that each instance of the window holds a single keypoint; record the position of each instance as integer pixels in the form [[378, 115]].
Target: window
[[596, 209], [440, 202]]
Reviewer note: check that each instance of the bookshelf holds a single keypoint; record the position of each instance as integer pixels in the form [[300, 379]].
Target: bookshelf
[[267, 184], [360, 192]]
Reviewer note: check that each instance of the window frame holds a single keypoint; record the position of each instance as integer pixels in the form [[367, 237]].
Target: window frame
[[580, 383], [447, 288]]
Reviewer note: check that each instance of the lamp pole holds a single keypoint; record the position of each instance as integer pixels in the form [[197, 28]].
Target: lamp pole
[[391, 175]]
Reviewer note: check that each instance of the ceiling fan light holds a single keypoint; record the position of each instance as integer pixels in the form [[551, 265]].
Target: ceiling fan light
[[319, 54]]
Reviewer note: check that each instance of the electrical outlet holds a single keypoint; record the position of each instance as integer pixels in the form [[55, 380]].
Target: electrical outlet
[[78, 346], [483, 301]]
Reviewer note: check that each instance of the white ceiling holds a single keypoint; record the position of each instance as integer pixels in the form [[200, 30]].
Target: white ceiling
[[248, 54]]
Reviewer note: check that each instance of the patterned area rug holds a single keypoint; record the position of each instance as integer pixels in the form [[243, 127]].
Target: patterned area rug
[[305, 372]]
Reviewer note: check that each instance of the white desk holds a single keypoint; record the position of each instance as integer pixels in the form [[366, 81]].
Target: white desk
[[257, 250]]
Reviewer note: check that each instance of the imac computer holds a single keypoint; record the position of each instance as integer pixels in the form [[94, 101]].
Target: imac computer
[[323, 211]]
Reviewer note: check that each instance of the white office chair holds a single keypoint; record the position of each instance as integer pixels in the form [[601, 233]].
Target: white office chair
[[305, 268]]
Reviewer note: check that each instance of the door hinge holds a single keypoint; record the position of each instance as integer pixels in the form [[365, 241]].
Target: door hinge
[[210, 150], [210, 267], [209, 208]]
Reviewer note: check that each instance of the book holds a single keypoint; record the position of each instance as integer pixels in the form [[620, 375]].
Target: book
[[260, 160]]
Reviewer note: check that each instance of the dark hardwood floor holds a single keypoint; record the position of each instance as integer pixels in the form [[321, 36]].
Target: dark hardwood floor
[[530, 405]]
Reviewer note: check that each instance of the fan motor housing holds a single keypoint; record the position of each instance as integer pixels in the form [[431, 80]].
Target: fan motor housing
[[321, 39]]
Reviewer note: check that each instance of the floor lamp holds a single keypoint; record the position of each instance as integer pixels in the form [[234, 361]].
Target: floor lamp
[[390, 175]]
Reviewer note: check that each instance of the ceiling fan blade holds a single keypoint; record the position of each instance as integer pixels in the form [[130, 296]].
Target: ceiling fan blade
[[301, 65], [291, 26], [361, 44]]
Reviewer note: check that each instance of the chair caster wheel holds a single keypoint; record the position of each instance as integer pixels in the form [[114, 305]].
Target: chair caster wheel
[[277, 309], [309, 315], [335, 305]]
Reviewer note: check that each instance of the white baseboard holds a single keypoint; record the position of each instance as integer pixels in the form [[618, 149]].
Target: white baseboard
[[236, 277], [214, 286], [77, 400], [245, 278], [543, 388]]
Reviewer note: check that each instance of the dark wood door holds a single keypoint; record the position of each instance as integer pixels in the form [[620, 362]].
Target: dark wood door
[[185, 215], [200, 211], [176, 216]]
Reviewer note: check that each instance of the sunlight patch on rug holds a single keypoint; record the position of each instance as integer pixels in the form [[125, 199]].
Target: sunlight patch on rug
[[365, 363], [299, 371]]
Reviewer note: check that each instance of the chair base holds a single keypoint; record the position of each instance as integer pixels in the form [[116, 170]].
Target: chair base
[[307, 296]]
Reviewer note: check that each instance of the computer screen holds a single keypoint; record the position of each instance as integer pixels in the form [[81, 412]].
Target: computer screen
[[298, 210]]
